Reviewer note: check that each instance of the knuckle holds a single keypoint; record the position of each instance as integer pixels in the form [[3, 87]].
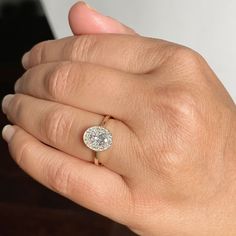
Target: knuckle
[[17, 105], [179, 111], [84, 46], [182, 102], [158, 53], [58, 83], [37, 54], [177, 102], [29, 73], [24, 151], [186, 57], [56, 126], [60, 178]]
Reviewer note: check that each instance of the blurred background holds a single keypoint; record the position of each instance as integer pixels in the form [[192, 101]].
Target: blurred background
[[27, 208]]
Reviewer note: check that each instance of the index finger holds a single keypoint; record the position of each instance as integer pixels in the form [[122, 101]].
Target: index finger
[[129, 53]]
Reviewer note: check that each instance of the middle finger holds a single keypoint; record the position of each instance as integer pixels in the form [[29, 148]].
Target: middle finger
[[93, 88]]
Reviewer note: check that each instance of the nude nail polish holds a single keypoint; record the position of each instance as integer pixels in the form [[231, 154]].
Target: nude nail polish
[[8, 132]]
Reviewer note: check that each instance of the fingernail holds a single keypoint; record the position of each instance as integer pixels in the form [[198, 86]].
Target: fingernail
[[17, 85], [88, 6], [110, 24], [8, 132], [5, 102], [25, 60]]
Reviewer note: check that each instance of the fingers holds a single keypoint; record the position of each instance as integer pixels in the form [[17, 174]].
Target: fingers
[[85, 20], [95, 188], [128, 53], [63, 127], [89, 87]]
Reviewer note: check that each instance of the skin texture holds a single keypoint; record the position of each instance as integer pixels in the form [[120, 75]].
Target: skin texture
[[172, 167]]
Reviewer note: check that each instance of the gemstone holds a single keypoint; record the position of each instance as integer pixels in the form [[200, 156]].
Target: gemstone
[[97, 138]]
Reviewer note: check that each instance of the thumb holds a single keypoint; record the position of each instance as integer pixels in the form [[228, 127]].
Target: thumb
[[85, 20]]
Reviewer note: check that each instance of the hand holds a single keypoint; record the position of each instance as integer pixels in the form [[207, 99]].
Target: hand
[[171, 169]]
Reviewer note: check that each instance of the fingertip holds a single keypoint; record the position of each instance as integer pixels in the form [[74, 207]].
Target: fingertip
[[5, 102], [74, 8], [81, 3], [8, 132], [73, 14], [25, 60]]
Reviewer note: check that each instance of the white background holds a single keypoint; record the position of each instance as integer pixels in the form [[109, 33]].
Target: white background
[[208, 26]]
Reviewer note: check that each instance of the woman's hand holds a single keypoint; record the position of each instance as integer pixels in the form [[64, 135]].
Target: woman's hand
[[172, 167]]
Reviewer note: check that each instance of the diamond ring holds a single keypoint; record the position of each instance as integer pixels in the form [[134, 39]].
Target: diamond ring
[[98, 138]]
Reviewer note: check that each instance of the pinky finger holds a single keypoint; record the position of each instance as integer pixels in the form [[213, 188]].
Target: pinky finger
[[93, 187]]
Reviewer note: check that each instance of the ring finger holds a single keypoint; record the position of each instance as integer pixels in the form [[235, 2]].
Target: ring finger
[[62, 127]]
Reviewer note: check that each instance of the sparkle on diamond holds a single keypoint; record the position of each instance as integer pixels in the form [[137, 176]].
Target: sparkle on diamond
[[98, 138]]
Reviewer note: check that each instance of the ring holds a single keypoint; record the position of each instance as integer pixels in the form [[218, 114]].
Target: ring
[[98, 138]]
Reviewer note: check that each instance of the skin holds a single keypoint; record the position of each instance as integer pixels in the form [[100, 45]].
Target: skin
[[172, 167]]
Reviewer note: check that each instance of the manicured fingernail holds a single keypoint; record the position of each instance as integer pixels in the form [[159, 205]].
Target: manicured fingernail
[[5, 102], [110, 25], [8, 132], [17, 85], [86, 4], [25, 60]]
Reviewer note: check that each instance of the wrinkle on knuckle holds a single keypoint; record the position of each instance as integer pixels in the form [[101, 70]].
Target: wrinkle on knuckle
[[181, 115], [23, 152], [37, 54], [186, 58], [58, 83], [84, 46], [177, 99], [28, 74], [157, 54], [183, 103], [60, 178], [57, 125], [17, 108]]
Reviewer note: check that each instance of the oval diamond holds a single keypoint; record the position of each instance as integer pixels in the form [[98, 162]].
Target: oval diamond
[[97, 138]]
